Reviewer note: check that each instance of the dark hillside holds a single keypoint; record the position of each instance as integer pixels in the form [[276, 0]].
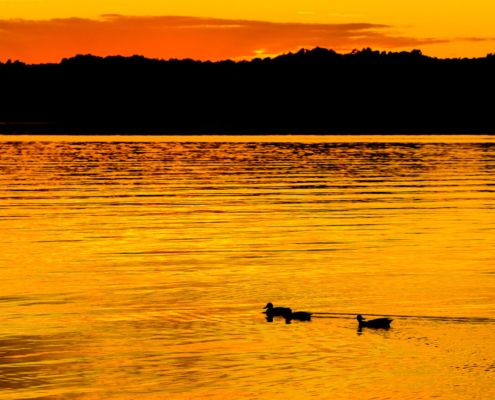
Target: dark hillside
[[317, 91]]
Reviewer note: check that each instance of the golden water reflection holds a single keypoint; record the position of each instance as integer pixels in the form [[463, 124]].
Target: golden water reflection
[[139, 268]]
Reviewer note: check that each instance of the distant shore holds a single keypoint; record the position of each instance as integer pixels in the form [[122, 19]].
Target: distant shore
[[311, 92]]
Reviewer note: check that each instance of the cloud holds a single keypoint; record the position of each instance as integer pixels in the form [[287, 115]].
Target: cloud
[[473, 39], [39, 41]]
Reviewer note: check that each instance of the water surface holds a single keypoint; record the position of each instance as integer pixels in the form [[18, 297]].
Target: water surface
[[138, 267]]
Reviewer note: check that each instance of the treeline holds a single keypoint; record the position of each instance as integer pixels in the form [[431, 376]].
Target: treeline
[[316, 91]]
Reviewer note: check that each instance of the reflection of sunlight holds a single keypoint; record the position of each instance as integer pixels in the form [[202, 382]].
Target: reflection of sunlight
[[258, 138], [139, 265]]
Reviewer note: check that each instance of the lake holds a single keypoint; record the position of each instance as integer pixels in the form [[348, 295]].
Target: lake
[[138, 267]]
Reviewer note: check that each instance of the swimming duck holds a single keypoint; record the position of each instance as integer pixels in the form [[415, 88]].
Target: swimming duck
[[299, 315], [276, 311], [374, 323]]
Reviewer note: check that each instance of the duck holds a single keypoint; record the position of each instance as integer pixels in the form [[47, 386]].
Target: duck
[[276, 311], [299, 315], [374, 323]]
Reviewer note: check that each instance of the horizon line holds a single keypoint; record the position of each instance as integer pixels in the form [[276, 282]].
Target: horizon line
[[246, 60]]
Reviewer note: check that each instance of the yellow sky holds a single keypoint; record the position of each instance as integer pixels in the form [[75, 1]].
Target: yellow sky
[[439, 20]]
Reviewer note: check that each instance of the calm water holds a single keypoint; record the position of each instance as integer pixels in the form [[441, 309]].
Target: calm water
[[137, 268]]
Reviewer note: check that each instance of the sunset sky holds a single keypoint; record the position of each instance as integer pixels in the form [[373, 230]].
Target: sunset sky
[[39, 31]]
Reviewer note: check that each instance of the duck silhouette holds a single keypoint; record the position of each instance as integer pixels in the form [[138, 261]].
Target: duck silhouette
[[378, 323], [276, 311], [299, 315]]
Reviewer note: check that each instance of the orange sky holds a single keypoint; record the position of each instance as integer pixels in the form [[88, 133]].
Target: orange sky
[[36, 31]]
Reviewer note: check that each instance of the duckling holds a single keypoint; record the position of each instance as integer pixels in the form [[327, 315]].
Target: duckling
[[299, 315], [374, 323], [276, 311]]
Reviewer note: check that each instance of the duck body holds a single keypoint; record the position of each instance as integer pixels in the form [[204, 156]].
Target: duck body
[[299, 315], [378, 323], [277, 311]]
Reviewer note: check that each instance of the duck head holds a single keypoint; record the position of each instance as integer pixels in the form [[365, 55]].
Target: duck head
[[269, 306]]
